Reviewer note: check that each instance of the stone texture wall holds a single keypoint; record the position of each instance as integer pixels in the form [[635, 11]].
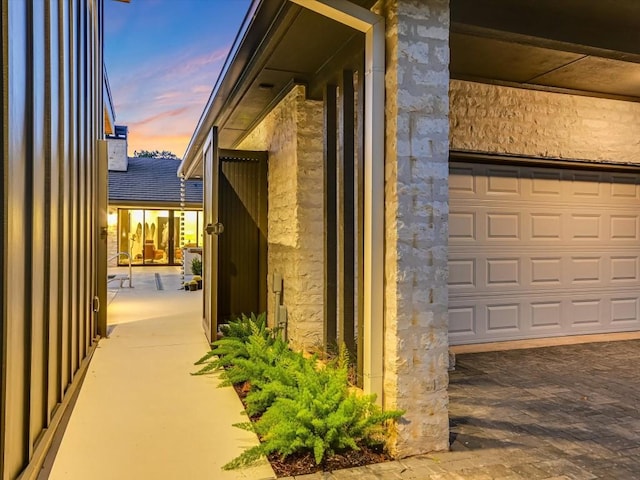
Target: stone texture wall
[[293, 135], [416, 221], [497, 119]]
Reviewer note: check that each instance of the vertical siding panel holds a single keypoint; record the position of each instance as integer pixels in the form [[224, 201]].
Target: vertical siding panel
[[15, 419], [51, 107], [73, 186], [36, 229], [93, 156], [64, 216], [53, 178], [81, 122]]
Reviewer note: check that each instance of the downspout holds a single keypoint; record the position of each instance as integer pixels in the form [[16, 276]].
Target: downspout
[[372, 26]]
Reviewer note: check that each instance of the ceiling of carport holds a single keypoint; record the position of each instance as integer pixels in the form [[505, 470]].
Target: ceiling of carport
[[589, 47]]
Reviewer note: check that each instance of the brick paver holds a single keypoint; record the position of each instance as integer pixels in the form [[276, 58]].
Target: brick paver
[[569, 412]]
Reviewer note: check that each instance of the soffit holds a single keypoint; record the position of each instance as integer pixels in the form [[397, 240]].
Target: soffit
[[590, 47], [300, 44]]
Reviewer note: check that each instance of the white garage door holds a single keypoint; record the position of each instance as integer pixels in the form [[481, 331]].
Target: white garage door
[[538, 252]]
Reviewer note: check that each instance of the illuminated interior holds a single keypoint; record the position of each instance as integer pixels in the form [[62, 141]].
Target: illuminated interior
[[152, 237]]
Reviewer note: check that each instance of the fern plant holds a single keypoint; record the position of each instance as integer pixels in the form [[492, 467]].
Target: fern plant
[[277, 379], [322, 416], [304, 406], [233, 345]]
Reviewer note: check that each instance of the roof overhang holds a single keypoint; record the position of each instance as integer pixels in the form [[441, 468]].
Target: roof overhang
[[108, 106], [586, 47], [279, 45]]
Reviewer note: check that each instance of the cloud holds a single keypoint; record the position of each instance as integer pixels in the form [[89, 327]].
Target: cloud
[[167, 94]]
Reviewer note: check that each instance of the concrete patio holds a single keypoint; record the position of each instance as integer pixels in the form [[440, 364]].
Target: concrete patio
[[564, 412]]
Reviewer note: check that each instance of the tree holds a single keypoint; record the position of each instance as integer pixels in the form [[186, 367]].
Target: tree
[[155, 154]]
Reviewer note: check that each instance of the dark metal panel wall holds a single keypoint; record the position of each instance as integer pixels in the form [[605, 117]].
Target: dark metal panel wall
[[52, 118]]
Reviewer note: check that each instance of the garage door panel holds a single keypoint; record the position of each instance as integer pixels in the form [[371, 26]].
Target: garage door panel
[[587, 313], [624, 187], [624, 310], [546, 315], [624, 269], [546, 184], [546, 271], [585, 270], [503, 272], [537, 252], [543, 225], [624, 227], [502, 226], [583, 226], [503, 182], [462, 225], [462, 273], [462, 181], [584, 187]]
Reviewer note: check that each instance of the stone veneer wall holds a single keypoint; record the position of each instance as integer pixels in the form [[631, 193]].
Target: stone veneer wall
[[498, 119], [416, 222], [293, 134]]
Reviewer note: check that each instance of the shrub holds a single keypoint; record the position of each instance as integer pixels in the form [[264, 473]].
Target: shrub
[[322, 416], [304, 406], [196, 266], [233, 345]]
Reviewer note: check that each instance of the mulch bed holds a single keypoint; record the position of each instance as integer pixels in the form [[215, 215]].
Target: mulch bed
[[304, 463]]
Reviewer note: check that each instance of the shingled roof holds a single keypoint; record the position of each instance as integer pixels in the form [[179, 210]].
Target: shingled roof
[[151, 180]]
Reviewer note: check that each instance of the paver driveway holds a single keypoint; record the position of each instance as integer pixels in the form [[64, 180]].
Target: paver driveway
[[569, 412], [572, 410]]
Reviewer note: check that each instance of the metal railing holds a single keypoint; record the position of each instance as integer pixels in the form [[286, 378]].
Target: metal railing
[[129, 278]]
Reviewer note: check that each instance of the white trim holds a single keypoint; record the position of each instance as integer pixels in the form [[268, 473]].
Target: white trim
[[372, 25]]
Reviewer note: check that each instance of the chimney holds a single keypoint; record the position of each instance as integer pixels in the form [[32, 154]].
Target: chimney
[[117, 149]]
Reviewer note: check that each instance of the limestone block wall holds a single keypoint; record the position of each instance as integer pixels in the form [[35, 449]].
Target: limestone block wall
[[416, 221], [498, 119], [293, 135]]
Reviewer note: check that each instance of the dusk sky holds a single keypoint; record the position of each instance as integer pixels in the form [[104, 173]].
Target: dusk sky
[[163, 58]]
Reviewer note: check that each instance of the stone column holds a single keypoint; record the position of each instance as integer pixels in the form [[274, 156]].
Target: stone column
[[416, 222]]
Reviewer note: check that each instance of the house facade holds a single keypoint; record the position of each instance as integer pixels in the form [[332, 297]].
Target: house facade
[[150, 217], [439, 173], [56, 109]]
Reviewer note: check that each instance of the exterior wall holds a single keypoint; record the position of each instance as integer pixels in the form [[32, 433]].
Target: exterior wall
[[52, 118], [497, 119], [293, 133], [416, 222]]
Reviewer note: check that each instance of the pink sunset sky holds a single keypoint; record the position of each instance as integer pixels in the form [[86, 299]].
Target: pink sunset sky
[[163, 58]]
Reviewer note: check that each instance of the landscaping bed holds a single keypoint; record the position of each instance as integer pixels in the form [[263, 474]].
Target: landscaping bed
[[306, 415], [303, 463]]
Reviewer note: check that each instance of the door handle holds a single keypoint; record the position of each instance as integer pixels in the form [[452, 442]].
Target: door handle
[[215, 229]]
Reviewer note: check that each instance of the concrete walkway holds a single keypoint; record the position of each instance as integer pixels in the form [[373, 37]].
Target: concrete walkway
[[560, 413], [139, 414]]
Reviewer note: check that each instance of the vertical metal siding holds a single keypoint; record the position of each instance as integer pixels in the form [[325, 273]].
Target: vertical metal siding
[[52, 117], [35, 234], [15, 391]]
